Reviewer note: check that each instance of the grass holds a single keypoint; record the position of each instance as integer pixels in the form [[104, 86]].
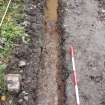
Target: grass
[[2, 68], [9, 32]]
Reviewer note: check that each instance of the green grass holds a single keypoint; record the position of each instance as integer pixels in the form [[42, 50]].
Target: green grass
[[10, 31], [2, 68]]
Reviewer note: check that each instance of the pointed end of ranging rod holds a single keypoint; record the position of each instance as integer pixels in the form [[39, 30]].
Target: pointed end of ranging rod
[[71, 50]]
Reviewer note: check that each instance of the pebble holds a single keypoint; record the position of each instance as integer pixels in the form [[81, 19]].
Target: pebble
[[26, 23], [26, 98], [21, 71], [1, 47], [22, 63], [2, 40], [20, 100], [103, 10], [25, 93], [10, 101], [13, 82]]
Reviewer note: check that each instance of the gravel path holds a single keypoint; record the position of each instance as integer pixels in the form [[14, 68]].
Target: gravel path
[[85, 30]]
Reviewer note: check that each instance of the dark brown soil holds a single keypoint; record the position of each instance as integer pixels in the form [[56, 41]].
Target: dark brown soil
[[31, 53]]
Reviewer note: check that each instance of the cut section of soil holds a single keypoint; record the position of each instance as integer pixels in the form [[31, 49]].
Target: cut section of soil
[[51, 87]]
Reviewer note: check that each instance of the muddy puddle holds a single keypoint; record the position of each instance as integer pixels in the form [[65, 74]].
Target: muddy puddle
[[51, 10]]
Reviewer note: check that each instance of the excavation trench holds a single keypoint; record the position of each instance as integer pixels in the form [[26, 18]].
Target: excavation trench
[[52, 85], [42, 76]]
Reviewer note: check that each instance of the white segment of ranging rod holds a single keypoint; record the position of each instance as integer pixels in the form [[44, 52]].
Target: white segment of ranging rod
[[75, 76], [5, 13]]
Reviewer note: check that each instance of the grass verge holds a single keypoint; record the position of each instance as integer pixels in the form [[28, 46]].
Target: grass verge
[[10, 31]]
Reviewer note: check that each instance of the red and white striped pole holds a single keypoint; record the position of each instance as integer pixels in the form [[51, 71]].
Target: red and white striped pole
[[75, 76]]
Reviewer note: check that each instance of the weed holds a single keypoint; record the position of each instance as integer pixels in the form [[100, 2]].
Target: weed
[[2, 81], [9, 32]]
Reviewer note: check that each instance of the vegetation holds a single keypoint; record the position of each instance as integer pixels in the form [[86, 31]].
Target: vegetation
[[10, 31], [2, 68]]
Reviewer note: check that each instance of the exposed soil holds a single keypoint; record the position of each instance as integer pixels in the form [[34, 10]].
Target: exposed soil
[[42, 82], [31, 53], [85, 30]]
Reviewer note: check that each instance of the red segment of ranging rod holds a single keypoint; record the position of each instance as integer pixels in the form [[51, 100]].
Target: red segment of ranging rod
[[75, 76]]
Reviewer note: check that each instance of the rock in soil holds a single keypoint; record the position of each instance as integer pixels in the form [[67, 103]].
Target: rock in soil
[[22, 63], [13, 82]]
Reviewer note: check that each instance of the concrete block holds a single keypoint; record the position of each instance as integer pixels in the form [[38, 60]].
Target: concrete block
[[13, 82]]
